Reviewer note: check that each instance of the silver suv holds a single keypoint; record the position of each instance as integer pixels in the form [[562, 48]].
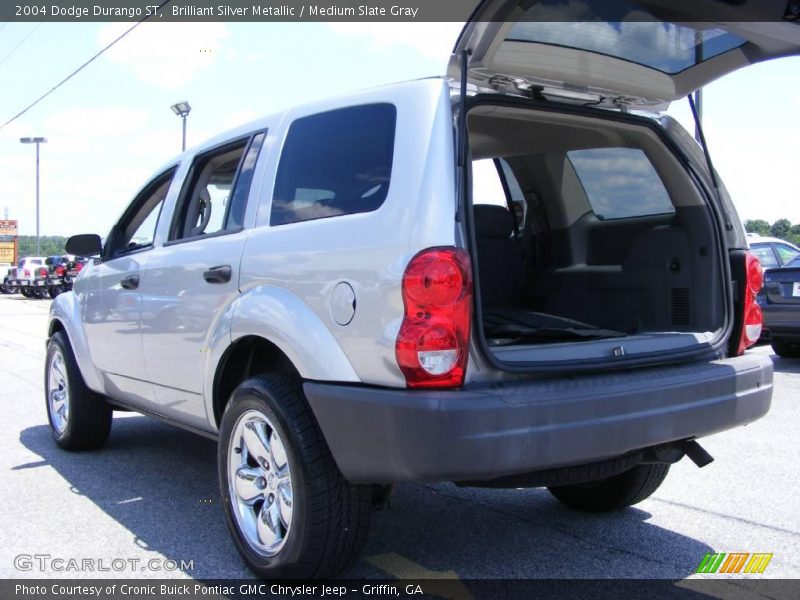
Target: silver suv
[[510, 277]]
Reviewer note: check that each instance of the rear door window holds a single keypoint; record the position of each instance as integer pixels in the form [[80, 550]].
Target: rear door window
[[620, 183], [335, 163], [210, 196]]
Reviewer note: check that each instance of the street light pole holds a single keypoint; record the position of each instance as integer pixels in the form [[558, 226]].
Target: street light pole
[[182, 109], [37, 141], [183, 139]]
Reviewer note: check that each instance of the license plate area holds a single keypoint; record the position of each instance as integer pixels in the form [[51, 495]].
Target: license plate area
[[796, 289]]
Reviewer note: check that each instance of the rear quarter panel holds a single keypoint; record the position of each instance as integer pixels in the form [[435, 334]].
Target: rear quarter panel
[[289, 272]]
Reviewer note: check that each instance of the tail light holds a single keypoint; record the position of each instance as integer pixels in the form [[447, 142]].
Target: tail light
[[60, 270], [433, 343], [78, 266], [27, 273], [753, 318], [42, 272]]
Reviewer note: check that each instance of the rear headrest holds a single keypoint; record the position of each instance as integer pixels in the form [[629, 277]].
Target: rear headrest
[[493, 221]]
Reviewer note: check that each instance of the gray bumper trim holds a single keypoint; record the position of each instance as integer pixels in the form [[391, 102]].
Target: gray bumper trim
[[380, 435]]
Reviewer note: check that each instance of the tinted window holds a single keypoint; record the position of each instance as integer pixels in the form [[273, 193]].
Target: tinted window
[[335, 163], [620, 183], [235, 218], [624, 30], [785, 253], [764, 255]]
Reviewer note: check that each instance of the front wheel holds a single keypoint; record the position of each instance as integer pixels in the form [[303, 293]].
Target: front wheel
[[614, 493], [287, 505], [79, 418]]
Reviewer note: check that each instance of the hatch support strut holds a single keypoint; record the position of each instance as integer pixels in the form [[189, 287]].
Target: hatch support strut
[[461, 136], [715, 182]]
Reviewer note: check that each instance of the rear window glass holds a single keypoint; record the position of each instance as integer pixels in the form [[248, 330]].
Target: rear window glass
[[785, 253], [335, 163], [620, 183], [624, 30], [764, 255]]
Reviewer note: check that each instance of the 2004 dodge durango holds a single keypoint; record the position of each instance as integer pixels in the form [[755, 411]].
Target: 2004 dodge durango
[[517, 275]]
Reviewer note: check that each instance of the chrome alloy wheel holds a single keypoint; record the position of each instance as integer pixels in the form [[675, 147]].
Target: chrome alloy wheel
[[260, 483], [58, 392]]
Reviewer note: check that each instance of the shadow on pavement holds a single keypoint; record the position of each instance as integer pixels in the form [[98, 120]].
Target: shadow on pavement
[[785, 365], [160, 483]]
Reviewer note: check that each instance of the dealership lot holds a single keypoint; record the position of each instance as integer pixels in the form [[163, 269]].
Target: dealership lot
[[150, 498]]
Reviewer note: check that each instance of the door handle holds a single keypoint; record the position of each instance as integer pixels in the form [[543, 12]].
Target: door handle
[[131, 282], [219, 274]]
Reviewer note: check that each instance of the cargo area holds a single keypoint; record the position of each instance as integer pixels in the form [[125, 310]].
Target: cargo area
[[591, 240]]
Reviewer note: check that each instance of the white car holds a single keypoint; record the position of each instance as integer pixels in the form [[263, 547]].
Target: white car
[[27, 273], [772, 252]]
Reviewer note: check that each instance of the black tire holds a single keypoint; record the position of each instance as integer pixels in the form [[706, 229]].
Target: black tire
[[26, 292], [785, 348], [614, 493], [330, 516], [88, 421]]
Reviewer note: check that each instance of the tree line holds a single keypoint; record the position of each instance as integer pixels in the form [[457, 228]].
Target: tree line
[[782, 228], [49, 245]]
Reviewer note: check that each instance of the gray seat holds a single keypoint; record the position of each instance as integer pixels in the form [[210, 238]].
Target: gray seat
[[501, 258]]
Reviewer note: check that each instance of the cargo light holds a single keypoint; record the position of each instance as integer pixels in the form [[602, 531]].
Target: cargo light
[[433, 342]]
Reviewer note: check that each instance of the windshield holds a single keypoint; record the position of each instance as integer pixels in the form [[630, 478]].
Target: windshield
[[623, 30]]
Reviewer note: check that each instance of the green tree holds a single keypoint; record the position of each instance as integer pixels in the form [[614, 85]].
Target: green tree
[[759, 226], [49, 245], [781, 228]]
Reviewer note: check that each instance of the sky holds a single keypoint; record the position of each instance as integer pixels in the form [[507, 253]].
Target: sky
[[110, 127]]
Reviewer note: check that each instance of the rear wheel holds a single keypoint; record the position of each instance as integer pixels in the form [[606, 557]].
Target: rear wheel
[[25, 291], [79, 418], [785, 348], [288, 507], [614, 493]]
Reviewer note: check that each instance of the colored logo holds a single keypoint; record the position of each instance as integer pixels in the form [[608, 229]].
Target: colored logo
[[734, 562]]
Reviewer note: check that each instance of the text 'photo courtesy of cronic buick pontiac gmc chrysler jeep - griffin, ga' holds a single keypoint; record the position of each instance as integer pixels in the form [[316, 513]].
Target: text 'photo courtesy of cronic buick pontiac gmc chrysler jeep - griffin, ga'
[[520, 274]]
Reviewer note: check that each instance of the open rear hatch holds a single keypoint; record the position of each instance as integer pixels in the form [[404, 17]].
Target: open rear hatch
[[598, 246], [642, 54]]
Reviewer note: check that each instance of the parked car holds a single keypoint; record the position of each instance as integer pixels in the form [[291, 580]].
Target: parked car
[[345, 310], [9, 274], [772, 252], [62, 273], [28, 269], [780, 303]]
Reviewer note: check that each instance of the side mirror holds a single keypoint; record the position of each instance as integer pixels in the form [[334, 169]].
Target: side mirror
[[86, 244]]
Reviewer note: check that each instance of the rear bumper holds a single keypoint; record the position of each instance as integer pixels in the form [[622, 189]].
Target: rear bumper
[[380, 435], [782, 320]]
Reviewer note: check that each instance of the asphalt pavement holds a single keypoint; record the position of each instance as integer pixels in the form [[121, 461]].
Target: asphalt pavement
[[151, 493]]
